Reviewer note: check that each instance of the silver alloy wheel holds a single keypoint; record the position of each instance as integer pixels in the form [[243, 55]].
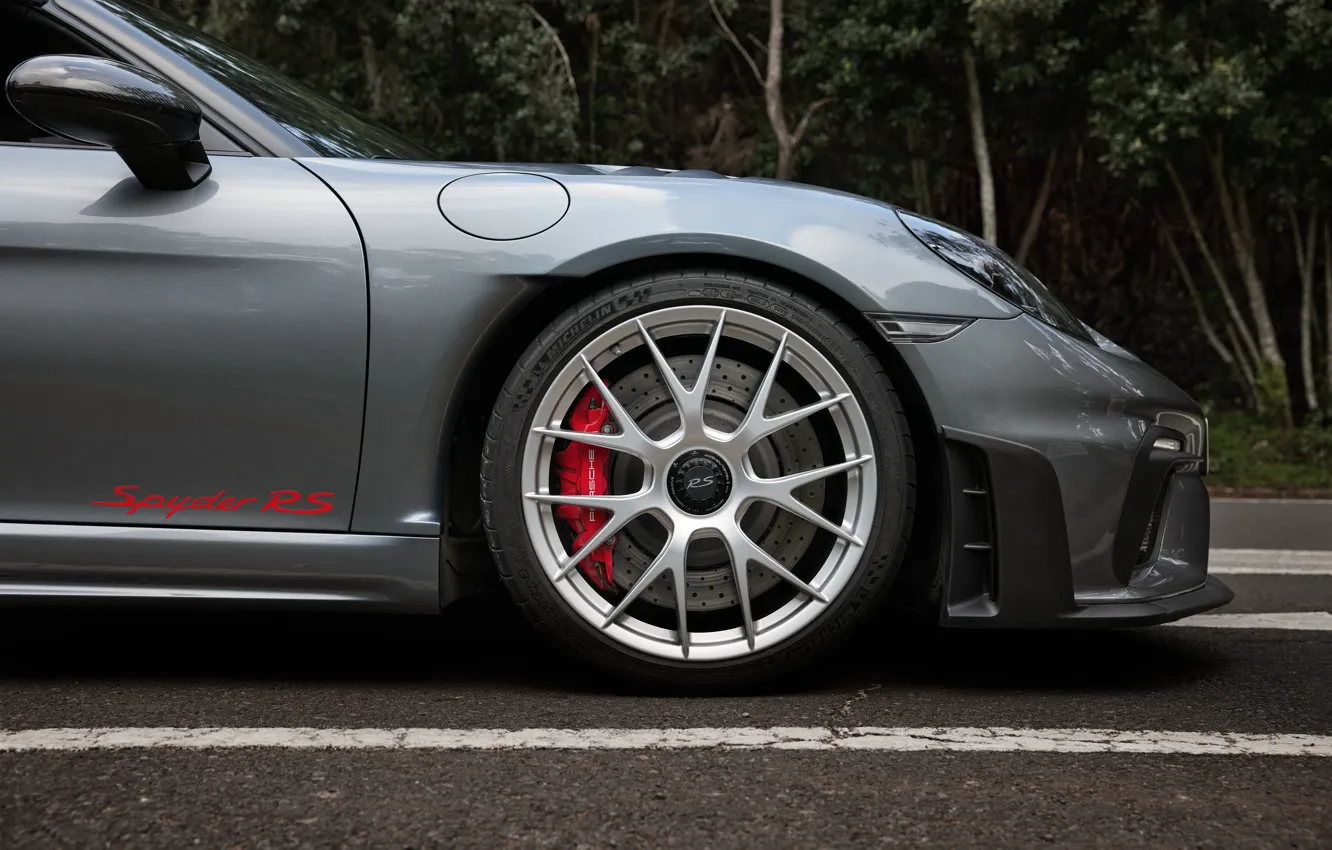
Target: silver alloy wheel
[[695, 444]]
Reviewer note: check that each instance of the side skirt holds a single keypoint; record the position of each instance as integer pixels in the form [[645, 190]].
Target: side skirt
[[360, 571]]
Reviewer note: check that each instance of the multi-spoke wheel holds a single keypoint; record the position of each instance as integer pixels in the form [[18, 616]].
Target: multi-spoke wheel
[[699, 488]]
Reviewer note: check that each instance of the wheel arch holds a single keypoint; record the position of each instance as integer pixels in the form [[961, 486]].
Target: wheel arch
[[491, 365]]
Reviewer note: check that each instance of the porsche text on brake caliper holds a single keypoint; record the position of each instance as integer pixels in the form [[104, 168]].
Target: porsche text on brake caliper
[[582, 472]]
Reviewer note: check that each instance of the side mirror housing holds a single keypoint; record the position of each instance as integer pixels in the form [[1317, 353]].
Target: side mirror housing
[[149, 121]]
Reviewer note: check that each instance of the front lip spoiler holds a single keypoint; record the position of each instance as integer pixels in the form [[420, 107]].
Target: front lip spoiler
[[1211, 594], [1116, 615]]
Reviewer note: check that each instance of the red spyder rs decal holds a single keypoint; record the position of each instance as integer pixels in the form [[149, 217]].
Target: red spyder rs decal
[[278, 500]]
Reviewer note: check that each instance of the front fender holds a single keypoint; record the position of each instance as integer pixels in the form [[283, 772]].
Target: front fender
[[856, 248], [438, 294]]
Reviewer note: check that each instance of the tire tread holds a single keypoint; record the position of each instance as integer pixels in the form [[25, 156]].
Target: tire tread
[[565, 632]]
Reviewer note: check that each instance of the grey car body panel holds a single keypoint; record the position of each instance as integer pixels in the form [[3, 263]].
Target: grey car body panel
[[339, 290], [332, 570], [438, 295], [504, 205], [1083, 413], [855, 247], [1177, 568], [181, 342]]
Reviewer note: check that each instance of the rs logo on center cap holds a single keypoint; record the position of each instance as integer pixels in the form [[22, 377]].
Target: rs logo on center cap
[[699, 482]]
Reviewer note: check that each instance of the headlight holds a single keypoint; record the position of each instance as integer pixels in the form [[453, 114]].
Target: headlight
[[994, 270]]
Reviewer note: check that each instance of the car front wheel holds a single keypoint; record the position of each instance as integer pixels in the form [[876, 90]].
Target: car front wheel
[[698, 480]]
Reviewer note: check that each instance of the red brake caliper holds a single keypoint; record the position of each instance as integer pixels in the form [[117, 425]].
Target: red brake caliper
[[582, 471]]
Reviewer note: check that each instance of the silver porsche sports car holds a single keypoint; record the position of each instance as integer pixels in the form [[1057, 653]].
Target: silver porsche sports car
[[257, 349]]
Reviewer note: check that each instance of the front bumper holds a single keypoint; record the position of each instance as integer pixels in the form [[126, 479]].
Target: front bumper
[[1063, 509]]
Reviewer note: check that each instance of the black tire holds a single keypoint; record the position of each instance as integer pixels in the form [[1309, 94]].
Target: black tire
[[502, 499]]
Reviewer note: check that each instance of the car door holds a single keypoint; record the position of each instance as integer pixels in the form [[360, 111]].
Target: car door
[[192, 358]]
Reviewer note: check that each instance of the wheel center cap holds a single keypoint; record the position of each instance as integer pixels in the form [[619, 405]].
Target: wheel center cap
[[699, 482]]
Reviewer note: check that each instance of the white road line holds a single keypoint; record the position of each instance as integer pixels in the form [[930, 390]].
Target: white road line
[[873, 738], [1304, 621], [1269, 562]]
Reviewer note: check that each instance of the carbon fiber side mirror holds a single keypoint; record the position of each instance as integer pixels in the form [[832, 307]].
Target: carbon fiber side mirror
[[148, 120]]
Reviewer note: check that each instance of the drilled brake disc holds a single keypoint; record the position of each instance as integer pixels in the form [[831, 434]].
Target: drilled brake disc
[[731, 387]]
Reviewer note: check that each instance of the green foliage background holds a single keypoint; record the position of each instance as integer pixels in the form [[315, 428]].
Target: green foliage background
[[1108, 96]]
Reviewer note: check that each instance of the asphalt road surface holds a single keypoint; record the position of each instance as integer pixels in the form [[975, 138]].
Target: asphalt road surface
[[1272, 524], [262, 678]]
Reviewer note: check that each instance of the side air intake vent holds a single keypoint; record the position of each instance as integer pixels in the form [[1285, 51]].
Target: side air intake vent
[[1162, 455], [1148, 545], [973, 568]]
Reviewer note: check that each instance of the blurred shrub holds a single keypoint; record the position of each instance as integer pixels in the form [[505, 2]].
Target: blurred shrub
[[1247, 455]]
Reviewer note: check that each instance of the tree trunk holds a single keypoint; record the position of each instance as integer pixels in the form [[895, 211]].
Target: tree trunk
[[1245, 367], [373, 74], [1235, 211], [772, 93], [665, 24], [979, 144], [785, 159], [593, 50], [1223, 351], [1306, 259], [564, 62], [1236, 317], [920, 176], [787, 139], [1327, 311], [1038, 208]]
